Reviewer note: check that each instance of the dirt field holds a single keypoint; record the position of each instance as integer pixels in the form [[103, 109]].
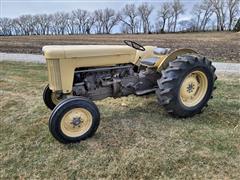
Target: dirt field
[[223, 47]]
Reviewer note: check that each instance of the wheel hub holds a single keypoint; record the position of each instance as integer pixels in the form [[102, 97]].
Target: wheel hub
[[76, 122], [190, 88], [193, 88]]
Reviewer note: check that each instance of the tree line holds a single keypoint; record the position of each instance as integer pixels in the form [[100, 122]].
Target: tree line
[[217, 15]]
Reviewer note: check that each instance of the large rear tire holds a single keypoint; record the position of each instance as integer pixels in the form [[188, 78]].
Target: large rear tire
[[74, 119], [186, 85]]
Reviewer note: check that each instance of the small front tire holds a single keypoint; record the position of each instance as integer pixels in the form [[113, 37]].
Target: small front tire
[[50, 98], [73, 120]]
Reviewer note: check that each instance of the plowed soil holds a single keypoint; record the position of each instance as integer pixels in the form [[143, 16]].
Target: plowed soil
[[220, 46]]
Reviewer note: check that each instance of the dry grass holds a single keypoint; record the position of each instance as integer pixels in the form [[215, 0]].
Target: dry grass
[[219, 46], [136, 138]]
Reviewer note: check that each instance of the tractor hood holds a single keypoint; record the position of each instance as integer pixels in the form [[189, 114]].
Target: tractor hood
[[78, 51]]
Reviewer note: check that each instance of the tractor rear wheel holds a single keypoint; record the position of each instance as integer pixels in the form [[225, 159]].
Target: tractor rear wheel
[[74, 119], [186, 85]]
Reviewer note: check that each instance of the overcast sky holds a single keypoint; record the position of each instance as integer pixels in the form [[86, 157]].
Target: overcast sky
[[15, 8]]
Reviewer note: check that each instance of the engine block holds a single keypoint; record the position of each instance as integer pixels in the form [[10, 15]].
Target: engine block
[[116, 81]]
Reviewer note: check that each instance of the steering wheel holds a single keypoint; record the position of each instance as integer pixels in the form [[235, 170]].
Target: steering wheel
[[134, 45]]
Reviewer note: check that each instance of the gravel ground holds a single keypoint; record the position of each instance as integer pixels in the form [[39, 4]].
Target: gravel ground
[[22, 57], [222, 68]]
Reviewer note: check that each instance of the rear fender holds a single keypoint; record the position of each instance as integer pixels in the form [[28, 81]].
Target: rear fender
[[172, 56]]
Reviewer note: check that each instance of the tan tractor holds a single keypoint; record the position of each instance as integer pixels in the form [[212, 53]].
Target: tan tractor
[[182, 79]]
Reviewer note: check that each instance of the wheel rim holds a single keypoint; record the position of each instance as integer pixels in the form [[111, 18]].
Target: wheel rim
[[76, 122], [193, 88]]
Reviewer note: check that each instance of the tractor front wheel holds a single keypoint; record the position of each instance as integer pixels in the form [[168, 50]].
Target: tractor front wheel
[[186, 85], [74, 119], [51, 99]]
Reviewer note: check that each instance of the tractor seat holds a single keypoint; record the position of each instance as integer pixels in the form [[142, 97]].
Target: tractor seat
[[150, 61], [161, 51]]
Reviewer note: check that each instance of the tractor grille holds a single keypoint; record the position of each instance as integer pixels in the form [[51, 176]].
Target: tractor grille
[[54, 75]]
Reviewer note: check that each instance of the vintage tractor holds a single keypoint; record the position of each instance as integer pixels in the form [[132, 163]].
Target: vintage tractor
[[80, 74]]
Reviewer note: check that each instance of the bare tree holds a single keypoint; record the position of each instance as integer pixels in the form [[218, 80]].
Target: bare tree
[[21, 25], [105, 20], [98, 16], [110, 19], [43, 20], [196, 13], [89, 23], [26, 24], [5, 26], [170, 21], [202, 13], [129, 17], [177, 10], [59, 22], [81, 17], [164, 13], [145, 11], [219, 9], [207, 9], [233, 10], [36, 28], [71, 23], [158, 26], [16, 29]]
